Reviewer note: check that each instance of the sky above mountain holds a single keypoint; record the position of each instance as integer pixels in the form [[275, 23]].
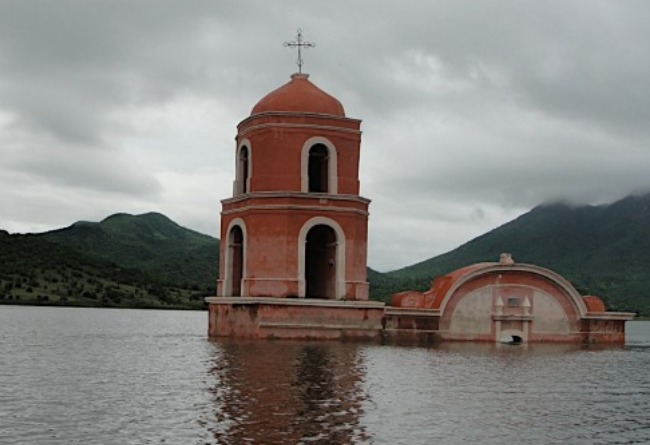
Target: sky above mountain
[[473, 112]]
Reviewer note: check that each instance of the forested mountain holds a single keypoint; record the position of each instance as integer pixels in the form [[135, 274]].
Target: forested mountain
[[150, 261], [603, 250], [151, 243], [34, 270], [123, 261]]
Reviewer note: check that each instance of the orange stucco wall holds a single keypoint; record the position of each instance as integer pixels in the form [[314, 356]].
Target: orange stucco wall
[[490, 302], [276, 143], [275, 208], [270, 320], [469, 311]]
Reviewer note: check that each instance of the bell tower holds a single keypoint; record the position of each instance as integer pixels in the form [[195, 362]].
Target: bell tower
[[295, 226]]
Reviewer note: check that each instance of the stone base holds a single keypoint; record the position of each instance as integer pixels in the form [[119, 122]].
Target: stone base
[[289, 318], [422, 326], [411, 326], [318, 319]]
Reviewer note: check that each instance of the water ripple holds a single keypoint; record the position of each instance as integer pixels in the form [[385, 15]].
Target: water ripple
[[88, 376]]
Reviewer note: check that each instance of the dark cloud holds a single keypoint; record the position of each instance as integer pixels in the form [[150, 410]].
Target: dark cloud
[[473, 111]]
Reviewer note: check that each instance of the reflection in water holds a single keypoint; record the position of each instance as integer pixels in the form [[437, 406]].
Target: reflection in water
[[287, 392], [453, 393], [529, 349], [115, 377]]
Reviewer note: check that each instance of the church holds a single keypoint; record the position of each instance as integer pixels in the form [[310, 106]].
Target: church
[[504, 302], [294, 250], [294, 233]]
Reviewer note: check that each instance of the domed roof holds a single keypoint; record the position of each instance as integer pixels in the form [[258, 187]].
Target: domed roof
[[299, 95]]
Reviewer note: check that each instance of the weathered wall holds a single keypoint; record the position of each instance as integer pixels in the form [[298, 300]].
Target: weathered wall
[[493, 306], [295, 319], [472, 314], [550, 316]]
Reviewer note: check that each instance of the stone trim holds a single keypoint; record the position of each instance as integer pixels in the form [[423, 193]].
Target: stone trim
[[272, 301], [295, 207], [227, 283], [298, 195], [394, 311], [332, 164], [341, 252], [298, 114], [572, 293], [497, 317], [319, 128], [239, 188], [269, 324], [625, 316]]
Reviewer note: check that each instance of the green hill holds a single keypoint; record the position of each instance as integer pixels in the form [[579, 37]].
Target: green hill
[[152, 243], [603, 250], [34, 270], [150, 261]]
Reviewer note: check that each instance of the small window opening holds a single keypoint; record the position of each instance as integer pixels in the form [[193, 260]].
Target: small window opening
[[318, 169], [243, 170], [509, 338], [236, 246], [514, 302]]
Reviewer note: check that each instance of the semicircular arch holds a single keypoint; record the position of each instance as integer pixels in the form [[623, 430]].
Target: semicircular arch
[[554, 278], [244, 167], [332, 163], [340, 253], [234, 257]]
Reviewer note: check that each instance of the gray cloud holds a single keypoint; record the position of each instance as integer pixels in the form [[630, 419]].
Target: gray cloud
[[473, 112]]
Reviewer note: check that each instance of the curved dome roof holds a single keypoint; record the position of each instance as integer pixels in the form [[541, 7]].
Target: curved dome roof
[[299, 95]]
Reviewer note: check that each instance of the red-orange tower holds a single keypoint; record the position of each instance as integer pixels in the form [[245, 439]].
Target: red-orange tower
[[296, 225]]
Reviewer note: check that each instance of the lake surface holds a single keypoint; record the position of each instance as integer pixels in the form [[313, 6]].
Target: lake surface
[[114, 376]]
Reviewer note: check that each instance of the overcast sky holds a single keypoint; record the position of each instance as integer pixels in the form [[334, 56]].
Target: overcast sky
[[473, 112]]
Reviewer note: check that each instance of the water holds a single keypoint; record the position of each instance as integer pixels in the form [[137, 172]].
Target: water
[[110, 376]]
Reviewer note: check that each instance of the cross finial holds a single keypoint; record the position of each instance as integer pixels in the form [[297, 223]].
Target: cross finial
[[300, 44]]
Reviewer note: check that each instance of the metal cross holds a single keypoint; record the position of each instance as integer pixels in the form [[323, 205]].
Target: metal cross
[[300, 44]]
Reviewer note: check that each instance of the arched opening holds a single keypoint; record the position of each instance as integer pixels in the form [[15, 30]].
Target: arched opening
[[511, 337], [236, 259], [320, 262], [318, 166], [242, 170], [318, 169]]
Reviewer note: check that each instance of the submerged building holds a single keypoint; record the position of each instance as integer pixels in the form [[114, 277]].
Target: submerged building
[[294, 250], [505, 302]]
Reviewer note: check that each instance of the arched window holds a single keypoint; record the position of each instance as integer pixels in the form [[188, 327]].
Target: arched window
[[320, 262], [243, 170], [318, 169], [235, 258], [243, 162]]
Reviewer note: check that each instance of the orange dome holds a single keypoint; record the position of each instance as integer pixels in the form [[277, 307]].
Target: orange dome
[[299, 95]]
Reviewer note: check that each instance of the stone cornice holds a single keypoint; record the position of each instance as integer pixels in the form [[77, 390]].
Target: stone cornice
[[548, 274], [296, 195], [626, 316], [292, 114], [314, 302], [247, 130], [294, 207]]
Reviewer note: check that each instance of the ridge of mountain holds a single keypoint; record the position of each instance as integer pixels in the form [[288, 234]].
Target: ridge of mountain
[[603, 249], [36, 271], [150, 242]]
